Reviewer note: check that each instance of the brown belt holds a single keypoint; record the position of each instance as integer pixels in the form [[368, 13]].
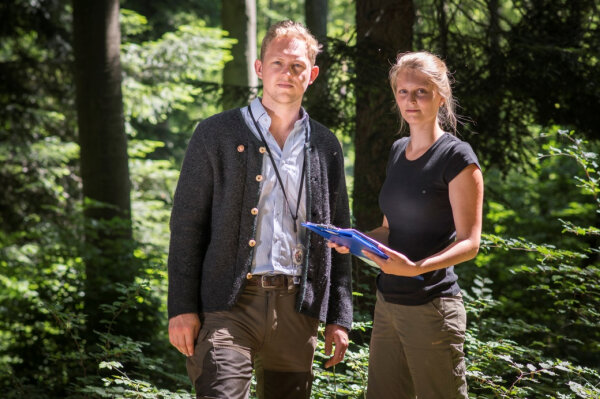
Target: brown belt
[[273, 281]]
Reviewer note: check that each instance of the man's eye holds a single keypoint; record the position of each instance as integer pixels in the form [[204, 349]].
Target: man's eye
[[421, 91]]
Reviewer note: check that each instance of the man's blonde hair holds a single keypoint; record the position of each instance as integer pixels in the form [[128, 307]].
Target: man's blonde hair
[[292, 29]]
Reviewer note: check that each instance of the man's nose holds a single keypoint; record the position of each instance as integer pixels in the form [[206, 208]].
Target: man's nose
[[289, 70]]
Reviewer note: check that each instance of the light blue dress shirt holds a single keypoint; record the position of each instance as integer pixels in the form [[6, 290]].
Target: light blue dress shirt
[[276, 239]]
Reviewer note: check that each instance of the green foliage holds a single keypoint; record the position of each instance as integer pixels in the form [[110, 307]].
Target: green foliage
[[540, 337], [163, 74], [347, 379], [500, 366], [45, 352], [270, 11], [495, 48]]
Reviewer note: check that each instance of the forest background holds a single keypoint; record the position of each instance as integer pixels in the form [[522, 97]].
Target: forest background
[[99, 98]]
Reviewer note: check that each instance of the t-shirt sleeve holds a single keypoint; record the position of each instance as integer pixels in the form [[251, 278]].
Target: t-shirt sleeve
[[460, 156]]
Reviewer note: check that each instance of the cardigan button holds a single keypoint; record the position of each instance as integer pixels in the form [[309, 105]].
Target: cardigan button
[[252, 243], [259, 177], [240, 148], [254, 211], [262, 150]]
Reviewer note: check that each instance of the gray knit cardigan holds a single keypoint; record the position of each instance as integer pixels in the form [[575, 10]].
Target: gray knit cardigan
[[212, 224]]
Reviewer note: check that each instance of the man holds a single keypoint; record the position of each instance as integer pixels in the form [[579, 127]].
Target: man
[[247, 283]]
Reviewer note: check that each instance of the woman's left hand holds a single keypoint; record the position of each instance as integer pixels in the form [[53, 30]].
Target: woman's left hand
[[397, 263]]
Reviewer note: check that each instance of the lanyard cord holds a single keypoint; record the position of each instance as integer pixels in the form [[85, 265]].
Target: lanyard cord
[[294, 217]]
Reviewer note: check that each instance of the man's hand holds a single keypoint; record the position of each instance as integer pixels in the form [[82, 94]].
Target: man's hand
[[183, 331], [337, 335], [340, 248]]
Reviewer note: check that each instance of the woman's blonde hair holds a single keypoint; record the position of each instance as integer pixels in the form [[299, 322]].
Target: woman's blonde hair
[[437, 73], [293, 29]]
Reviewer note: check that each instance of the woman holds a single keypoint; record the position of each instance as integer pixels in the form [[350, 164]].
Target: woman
[[432, 204]]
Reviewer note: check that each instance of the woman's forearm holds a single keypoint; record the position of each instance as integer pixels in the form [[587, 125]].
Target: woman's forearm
[[454, 254]]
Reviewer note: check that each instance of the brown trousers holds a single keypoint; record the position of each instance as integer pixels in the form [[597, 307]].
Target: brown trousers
[[262, 331], [417, 351]]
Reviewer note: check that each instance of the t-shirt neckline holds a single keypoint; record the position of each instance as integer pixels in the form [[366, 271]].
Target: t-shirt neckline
[[429, 150]]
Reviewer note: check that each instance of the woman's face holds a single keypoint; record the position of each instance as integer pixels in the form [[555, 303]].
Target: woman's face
[[417, 98]]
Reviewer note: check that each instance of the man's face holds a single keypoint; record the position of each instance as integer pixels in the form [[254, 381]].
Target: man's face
[[286, 71]]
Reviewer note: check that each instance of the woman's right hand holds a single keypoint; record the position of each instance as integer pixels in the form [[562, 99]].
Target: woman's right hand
[[340, 248]]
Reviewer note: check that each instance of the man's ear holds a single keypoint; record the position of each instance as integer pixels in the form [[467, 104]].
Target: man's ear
[[314, 72], [258, 68]]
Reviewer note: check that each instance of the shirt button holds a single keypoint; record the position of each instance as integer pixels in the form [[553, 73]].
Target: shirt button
[[240, 148], [252, 243], [254, 211], [262, 150], [259, 177]]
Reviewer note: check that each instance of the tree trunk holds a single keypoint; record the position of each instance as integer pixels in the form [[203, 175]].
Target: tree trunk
[[384, 28], [316, 18], [238, 17], [442, 24], [490, 121], [316, 21], [103, 147]]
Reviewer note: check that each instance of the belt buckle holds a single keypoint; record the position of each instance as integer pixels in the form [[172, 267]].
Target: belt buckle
[[265, 278], [292, 281]]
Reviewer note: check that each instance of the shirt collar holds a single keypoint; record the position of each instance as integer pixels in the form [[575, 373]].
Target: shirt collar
[[264, 120]]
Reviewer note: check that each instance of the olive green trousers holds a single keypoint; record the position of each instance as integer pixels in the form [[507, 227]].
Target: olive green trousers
[[262, 331], [417, 351]]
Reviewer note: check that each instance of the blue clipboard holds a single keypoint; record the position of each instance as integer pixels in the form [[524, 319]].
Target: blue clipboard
[[351, 238]]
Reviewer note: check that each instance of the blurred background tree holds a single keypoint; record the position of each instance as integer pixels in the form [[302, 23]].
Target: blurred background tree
[[239, 78], [103, 155]]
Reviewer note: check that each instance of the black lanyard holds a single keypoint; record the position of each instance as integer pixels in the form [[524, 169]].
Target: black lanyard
[[294, 217]]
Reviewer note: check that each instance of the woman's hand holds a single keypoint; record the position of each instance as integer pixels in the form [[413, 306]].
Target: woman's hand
[[396, 264], [340, 248]]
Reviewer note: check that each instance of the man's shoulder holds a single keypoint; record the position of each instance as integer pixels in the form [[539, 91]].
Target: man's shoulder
[[218, 129], [319, 127], [322, 134], [230, 118]]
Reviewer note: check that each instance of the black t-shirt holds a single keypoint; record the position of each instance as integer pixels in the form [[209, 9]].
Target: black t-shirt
[[414, 198]]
